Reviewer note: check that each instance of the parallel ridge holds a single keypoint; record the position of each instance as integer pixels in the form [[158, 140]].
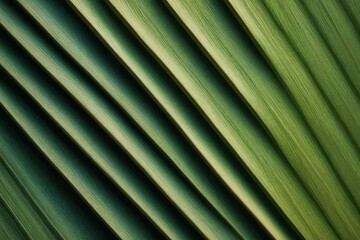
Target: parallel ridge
[[179, 119]]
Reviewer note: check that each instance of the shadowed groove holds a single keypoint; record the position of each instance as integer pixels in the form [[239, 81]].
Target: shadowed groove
[[93, 23], [67, 147], [177, 119], [36, 168], [54, 114], [109, 147], [204, 48]]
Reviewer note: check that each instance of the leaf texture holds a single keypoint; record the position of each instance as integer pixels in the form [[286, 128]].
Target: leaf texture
[[179, 119]]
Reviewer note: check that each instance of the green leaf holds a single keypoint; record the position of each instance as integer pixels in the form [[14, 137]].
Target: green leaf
[[179, 119]]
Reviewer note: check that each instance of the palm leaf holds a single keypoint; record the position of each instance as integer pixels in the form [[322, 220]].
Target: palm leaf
[[179, 119]]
